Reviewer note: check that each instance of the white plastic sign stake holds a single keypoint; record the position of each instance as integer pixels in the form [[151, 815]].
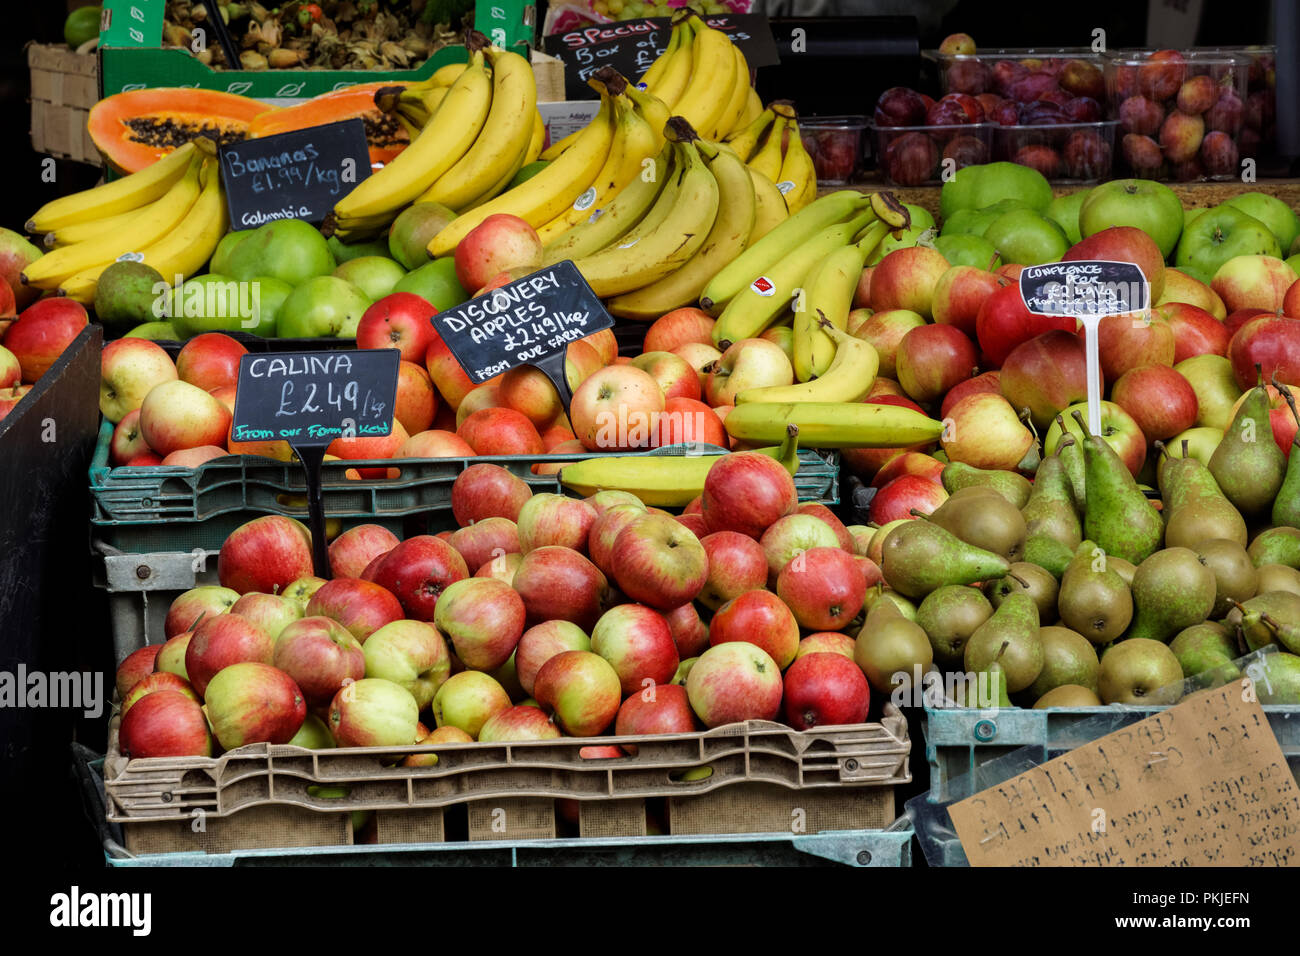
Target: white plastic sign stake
[[1086, 290]]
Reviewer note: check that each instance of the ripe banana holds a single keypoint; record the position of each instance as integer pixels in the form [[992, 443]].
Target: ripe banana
[[827, 298], [726, 240], [739, 101], [503, 140], [745, 141], [624, 212], [848, 379], [122, 195], [652, 109], [447, 75], [762, 254], [662, 481], [833, 424], [450, 134], [677, 70], [85, 231], [147, 226], [890, 211], [638, 260], [770, 206], [543, 197], [538, 141], [767, 160], [798, 176], [713, 73], [651, 76], [753, 108]]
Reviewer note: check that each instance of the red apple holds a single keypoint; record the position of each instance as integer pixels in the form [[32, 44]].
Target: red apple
[[932, 359], [165, 724], [759, 618], [985, 431], [374, 712], [171, 656], [498, 243], [1291, 301], [1045, 375], [361, 606], [43, 330], [823, 588], [176, 415], [355, 548], [195, 605], [660, 709], [1196, 331], [822, 513], [550, 519], [518, 723], [210, 360], [690, 633], [560, 584], [417, 571], [906, 279], [1271, 341], [674, 375], [265, 554], [1124, 244], [411, 654], [399, 320], [605, 531], [271, 612], [152, 683], [452, 382], [908, 463], [220, 642], [900, 497], [540, 643], [736, 564], [581, 689], [638, 644], [127, 442], [958, 295], [615, 408], [885, 330], [501, 431], [137, 665], [678, 327], [416, 400], [1160, 400], [502, 567], [1235, 320], [1118, 429], [733, 682], [747, 492], [479, 543], [791, 536], [321, 656], [825, 690], [688, 420], [658, 562], [129, 369], [486, 491], [483, 618], [984, 382], [193, 457], [1253, 282], [1003, 323]]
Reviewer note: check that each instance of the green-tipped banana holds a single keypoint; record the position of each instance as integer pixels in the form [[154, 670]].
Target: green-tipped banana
[[833, 424]]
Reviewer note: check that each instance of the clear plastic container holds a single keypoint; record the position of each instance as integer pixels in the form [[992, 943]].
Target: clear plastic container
[[1063, 152], [837, 146], [918, 155], [1259, 125], [1022, 75]]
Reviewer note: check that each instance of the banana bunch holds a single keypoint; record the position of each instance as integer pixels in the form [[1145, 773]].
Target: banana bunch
[[170, 215], [833, 424], [771, 145]]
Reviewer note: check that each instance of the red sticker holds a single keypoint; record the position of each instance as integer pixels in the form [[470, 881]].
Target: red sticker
[[763, 286]]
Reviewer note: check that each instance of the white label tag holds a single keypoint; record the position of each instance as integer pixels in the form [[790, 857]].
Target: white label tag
[[131, 257], [586, 200], [785, 186]]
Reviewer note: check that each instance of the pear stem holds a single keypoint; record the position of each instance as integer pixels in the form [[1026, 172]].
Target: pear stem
[[1002, 650], [1078, 417], [1160, 447], [1186, 444], [1268, 622], [1018, 579], [1066, 439]]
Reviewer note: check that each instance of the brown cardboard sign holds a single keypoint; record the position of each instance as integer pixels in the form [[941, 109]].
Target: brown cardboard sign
[[1203, 783]]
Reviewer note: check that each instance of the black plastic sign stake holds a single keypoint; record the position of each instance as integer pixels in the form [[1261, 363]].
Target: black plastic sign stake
[[297, 175], [630, 46], [530, 321], [1086, 290], [309, 399]]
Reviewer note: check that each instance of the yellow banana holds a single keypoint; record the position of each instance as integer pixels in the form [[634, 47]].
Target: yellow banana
[[543, 197], [652, 75], [94, 228], [713, 72], [833, 424], [744, 142], [449, 135], [890, 211], [538, 141], [797, 172], [848, 378], [727, 238], [753, 107], [636, 261], [623, 213], [445, 76], [122, 195], [677, 71], [652, 109], [771, 211], [827, 298], [768, 158], [731, 113], [762, 254], [147, 226]]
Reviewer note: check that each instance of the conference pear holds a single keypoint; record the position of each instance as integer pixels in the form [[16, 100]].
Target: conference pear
[[1235, 577], [1071, 455], [1248, 465], [1051, 510], [890, 648], [1094, 600], [1276, 546], [1117, 515], [1068, 695], [1278, 680], [919, 557], [1029, 579], [1010, 636], [1195, 509], [1068, 659], [1269, 618], [1205, 647], [1139, 671], [1277, 577], [986, 520], [949, 616], [1172, 590], [1015, 488]]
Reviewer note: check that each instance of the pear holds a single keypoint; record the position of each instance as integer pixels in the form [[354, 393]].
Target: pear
[[1117, 515], [1068, 658], [1205, 647], [890, 645], [1277, 577], [1029, 579], [1279, 680], [997, 682], [1276, 546], [1049, 554], [1286, 506], [1135, 671], [905, 607], [1125, 569], [1015, 488], [1236, 579], [1172, 590], [1068, 695], [1051, 510], [1094, 600], [1071, 455], [949, 617], [986, 520], [919, 557], [1015, 625], [1248, 465], [1195, 508], [1269, 618]]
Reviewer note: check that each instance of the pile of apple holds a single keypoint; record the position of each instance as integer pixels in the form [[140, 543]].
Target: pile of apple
[[32, 341], [540, 615]]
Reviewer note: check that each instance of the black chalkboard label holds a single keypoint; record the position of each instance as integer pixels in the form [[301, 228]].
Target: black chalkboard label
[[1093, 287], [630, 46], [311, 398], [296, 175]]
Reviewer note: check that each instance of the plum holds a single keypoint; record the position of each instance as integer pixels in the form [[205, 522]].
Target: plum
[[1082, 109], [1197, 95], [1086, 155], [1142, 154], [1181, 135], [899, 106], [1042, 158], [1226, 113], [1139, 115], [1219, 154], [911, 159]]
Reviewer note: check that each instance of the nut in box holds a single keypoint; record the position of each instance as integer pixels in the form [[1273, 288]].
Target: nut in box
[[926, 155], [1062, 152], [836, 145]]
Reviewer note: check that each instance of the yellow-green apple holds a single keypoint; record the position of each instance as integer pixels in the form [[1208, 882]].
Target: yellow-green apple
[[417, 571], [658, 561], [673, 373], [678, 327], [1201, 443], [265, 554], [1158, 398], [1180, 287], [602, 501], [1124, 244], [487, 395], [906, 279], [10, 397], [700, 357], [736, 564], [791, 536], [135, 667], [400, 321], [1003, 323], [129, 369], [498, 243], [301, 589], [747, 492], [826, 642], [523, 722], [605, 531], [824, 690], [660, 709], [171, 656], [480, 542], [760, 618], [221, 641], [411, 654], [528, 391], [861, 535], [899, 497], [152, 683], [822, 513], [416, 400], [581, 689], [582, 360], [690, 633], [321, 656], [502, 567], [351, 551], [193, 457], [733, 682], [313, 735], [856, 319], [165, 724], [749, 363], [932, 359], [615, 407], [605, 344], [908, 463], [984, 382], [176, 415], [209, 361], [485, 490], [42, 332], [823, 588], [1271, 342], [542, 642], [1045, 374], [876, 547], [373, 712], [361, 606], [885, 330], [1253, 282], [452, 382], [638, 644], [983, 430], [271, 612], [1215, 386], [551, 519], [958, 295], [1118, 429], [200, 603], [466, 700], [483, 618], [559, 583], [1280, 418]]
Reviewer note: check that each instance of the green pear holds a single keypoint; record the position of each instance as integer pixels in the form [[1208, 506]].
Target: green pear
[[997, 681], [1051, 509], [1248, 465], [919, 557], [1172, 590], [889, 645], [985, 520], [1094, 600], [1026, 578], [1286, 506], [1015, 488], [1136, 671], [1117, 515], [1068, 659], [1048, 553], [1235, 577], [1068, 695], [1278, 680], [1010, 637], [1205, 647], [1276, 546], [879, 592], [1195, 509], [1268, 618], [1277, 577], [1071, 454], [949, 617], [1198, 443]]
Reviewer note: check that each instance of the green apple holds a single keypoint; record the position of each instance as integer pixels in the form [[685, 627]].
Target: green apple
[[155, 331], [218, 303], [1064, 211], [1294, 262], [975, 187], [287, 249], [963, 249], [373, 275], [411, 654], [527, 172], [920, 232], [220, 261], [976, 222], [347, 251], [322, 307], [1220, 234], [1191, 215], [1152, 207], [1027, 238], [1215, 386], [271, 295], [1272, 212], [436, 282]]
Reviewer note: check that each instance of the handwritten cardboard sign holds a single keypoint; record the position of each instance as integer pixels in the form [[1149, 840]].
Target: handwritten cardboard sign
[[1203, 783]]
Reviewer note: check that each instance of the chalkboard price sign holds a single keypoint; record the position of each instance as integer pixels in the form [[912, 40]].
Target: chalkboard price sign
[[1084, 288], [297, 175]]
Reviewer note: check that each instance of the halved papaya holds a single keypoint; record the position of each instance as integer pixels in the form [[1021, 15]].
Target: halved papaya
[[135, 128], [384, 133]]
